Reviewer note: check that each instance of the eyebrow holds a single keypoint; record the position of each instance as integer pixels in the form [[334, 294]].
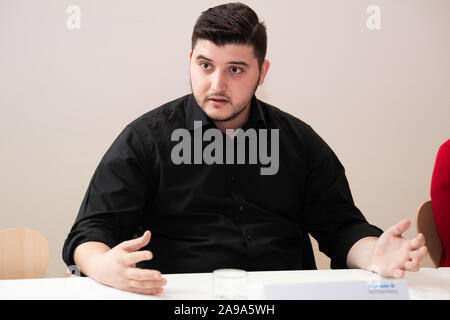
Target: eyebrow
[[202, 57]]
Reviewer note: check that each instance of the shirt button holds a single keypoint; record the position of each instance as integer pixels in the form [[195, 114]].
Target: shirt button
[[241, 208], [249, 237], [233, 178]]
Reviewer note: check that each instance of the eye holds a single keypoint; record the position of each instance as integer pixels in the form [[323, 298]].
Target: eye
[[236, 70], [205, 65]]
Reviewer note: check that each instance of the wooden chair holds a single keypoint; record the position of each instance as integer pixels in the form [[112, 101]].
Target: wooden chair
[[427, 226], [24, 253]]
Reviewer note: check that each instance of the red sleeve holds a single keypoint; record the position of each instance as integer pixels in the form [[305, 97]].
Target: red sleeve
[[440, 197]]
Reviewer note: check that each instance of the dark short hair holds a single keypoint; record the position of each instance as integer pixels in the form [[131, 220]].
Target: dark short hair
[[232, 23]]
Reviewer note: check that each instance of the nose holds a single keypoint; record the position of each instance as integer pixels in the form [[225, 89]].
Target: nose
[[218, 82]]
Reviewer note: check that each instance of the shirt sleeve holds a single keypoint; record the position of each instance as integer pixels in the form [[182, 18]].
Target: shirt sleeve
[[329, 213], [440, 198], [117, 195]]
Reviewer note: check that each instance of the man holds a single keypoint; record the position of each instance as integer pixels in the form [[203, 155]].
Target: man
[[203, 214]]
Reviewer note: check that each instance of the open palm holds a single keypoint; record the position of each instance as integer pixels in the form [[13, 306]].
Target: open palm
[[393, 254]]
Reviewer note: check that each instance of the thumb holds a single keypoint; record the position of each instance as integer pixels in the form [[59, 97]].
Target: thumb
[[398, 229], [136, 244]]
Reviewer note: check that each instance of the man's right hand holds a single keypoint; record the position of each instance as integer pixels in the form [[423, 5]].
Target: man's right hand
[[117, 268]]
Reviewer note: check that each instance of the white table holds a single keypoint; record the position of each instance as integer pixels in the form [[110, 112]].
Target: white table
[[427, 283]]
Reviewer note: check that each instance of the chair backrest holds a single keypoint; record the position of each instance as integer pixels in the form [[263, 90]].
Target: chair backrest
[[426, 225], [24, 253]]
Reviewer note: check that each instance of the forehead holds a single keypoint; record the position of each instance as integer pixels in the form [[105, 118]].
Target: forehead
[[225, 53]]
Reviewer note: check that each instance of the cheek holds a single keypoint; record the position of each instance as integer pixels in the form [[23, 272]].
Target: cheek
[[242, 87], [199, 83]]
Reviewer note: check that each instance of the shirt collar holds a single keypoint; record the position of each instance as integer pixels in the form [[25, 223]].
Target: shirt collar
[[195, 113]]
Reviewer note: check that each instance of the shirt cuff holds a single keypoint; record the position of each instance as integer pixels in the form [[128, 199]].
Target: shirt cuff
[[347, 238], [73, 241]]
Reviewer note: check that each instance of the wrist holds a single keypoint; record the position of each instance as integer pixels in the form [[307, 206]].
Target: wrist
[[88, 256], [361, 254], [93, 264]]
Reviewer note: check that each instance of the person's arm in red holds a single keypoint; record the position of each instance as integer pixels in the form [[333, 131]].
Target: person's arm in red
[[440, 198]]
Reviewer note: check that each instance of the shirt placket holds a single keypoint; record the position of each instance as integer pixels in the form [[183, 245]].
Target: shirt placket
[[235, 176]]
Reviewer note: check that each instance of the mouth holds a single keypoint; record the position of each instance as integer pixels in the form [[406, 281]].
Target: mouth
[[218, 101]]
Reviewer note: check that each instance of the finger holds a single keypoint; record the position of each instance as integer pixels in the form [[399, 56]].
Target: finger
[[136, 244], [398, 273], [143, 274], [417, 242], [419, 253], [157, 290], [412, 265], [398, 229], [137, 256], [147, 284]]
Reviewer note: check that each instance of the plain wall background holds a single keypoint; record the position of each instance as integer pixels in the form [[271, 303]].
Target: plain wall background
[[380, 98]]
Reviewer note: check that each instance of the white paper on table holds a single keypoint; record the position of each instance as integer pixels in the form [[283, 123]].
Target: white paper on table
[[378, 289]]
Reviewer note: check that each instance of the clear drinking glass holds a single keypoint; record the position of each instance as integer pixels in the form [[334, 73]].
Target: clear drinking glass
[[230, 284]]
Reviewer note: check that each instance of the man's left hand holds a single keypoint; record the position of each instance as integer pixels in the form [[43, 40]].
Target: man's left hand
[[393, 254]]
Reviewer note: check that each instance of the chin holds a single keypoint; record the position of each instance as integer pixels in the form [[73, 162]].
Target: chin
[[217, 116], [215, 112]]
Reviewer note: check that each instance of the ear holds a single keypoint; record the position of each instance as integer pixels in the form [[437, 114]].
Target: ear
[[190, 54], [264, 69]]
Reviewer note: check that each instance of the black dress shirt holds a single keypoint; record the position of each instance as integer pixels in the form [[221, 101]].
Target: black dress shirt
[[209, 216]]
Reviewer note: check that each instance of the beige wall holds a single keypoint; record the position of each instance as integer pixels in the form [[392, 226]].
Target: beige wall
[[380, 98]]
